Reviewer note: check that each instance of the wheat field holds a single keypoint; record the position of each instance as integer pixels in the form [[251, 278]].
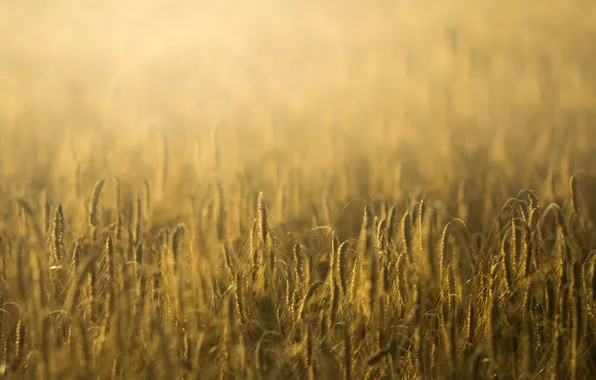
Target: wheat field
[[297, 190]]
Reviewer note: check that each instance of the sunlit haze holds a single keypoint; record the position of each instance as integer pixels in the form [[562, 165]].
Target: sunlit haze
[[297, 189]]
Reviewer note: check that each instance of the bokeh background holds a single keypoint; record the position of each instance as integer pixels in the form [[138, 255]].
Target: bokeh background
[[423, 92]]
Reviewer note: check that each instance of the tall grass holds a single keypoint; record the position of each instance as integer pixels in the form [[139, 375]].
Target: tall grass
[[411, 294]]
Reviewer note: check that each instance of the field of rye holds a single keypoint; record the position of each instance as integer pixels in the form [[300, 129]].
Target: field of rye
[[408, 197]]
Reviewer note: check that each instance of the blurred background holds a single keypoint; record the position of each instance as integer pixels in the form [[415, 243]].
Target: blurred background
[[403, 59], [424, 82]]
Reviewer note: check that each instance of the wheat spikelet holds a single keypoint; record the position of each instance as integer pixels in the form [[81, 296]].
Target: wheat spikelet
[[262, 222], [253, 251], [430, 247], [406, 234], [514, 247], [401, 279], [76, 255], [94, 212], [106, 273], [365, 242], [507, 264], [332, 272], [342, 267], [240, 299], [470, 327], [93, 291], [19, 342], [391, 228], [575, 193], [299, 265], [368, 261], [299, 276], [228, 258], [529, 251], [380, 236], [58, 249], [421, 209], [563, 279]]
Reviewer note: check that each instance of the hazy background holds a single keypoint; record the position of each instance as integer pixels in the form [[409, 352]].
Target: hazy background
[[311, 77], [213, 57]]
